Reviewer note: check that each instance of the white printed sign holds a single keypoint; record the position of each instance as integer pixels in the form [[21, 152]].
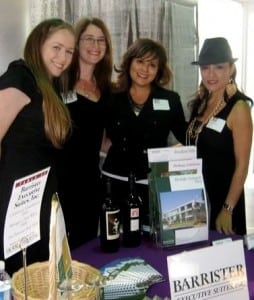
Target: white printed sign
[[22, 222], [171, 153], [215, 272]]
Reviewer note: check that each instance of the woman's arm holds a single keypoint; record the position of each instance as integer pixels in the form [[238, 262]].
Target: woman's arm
[[240, 122], [11, 102]]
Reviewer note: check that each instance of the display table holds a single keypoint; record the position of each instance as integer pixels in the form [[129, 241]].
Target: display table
[[91, 253]]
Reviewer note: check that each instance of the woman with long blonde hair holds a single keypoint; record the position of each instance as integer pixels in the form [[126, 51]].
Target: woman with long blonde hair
[[34, 123]]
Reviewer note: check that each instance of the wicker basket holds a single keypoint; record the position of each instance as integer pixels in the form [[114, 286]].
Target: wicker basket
[[38, 281]]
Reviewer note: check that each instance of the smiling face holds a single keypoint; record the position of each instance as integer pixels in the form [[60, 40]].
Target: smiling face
[[216, 77], [92, 45], [57, 52], [143, 70]]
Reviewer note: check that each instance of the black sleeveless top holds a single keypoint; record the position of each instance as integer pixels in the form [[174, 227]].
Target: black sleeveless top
[[217, 152]]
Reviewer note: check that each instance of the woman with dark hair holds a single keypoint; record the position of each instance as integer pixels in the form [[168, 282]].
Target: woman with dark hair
[[221, 128], [34, 123], [90, 89], [141, 115]]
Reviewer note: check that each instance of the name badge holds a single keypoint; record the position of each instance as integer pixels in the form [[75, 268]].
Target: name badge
[[70, 97], [160, 104], [216, 124]]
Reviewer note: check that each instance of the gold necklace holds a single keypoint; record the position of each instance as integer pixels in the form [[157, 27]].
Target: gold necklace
[[196, 126]]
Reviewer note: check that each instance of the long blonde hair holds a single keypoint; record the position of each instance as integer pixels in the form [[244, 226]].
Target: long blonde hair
[[57, 121]]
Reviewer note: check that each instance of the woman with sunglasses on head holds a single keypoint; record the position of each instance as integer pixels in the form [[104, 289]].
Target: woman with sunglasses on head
[[79, 172], [221, 128], [34, 123]]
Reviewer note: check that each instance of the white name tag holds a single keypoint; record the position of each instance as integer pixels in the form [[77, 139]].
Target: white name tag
[[160, 104], [216, 124], [70, 97]]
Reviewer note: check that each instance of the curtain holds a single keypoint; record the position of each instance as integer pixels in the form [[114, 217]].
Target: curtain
[[172, 22], [42, 9]]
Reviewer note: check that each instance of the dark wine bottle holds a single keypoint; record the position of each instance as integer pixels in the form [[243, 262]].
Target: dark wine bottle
[[109, 222], [131, 216]]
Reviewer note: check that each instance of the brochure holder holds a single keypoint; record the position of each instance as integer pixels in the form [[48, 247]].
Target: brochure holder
[[177, 196]]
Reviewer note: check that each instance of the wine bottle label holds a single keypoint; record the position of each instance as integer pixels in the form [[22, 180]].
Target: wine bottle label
[[134, 219], [112, 224], [134, 225], [134, 212]]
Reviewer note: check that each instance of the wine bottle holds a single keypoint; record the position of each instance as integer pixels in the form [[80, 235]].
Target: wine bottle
[[131, 215], [109, 222]]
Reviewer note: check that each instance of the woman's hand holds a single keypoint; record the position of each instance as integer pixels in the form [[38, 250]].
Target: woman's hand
[[224, 222]]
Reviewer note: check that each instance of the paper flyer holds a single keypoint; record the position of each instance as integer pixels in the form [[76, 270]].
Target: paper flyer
[[128, 278], [22, 223], [183, 210]]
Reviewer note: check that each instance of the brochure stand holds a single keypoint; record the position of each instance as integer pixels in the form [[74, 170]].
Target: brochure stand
[[177, 196]]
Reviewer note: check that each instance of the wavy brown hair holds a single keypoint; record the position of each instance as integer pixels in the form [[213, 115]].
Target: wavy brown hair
[[57, 120], [144, 47]]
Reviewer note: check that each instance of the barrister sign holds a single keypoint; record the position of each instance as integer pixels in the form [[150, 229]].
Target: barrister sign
[[215, 272]]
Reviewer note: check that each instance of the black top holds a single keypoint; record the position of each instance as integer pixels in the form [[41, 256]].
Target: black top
[[82, 148], [78, 168], [217, 152], [25, 149], [131, 135]]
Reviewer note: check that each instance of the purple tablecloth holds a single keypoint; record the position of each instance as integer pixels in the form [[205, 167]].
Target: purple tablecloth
[[91, 254]]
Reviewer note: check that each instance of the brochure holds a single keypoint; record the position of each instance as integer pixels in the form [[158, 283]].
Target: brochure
[[177, 196], [128, 278]]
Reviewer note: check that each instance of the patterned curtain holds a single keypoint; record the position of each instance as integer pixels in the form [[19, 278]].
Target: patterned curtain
[[42, 9]]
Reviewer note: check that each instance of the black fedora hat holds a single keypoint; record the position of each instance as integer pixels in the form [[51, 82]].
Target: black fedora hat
[[215, 51]]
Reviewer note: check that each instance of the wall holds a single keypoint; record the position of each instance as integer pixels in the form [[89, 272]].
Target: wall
[[249, 46], [233, 19], [13, 23]]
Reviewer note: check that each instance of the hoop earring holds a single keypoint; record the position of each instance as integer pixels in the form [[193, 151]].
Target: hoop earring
[[231, 88]]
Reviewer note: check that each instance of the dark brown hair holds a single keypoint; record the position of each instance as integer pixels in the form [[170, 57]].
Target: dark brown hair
[[144, 47]]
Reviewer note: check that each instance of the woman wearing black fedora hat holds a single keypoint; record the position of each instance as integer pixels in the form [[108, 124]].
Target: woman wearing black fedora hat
[[221, 127]]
